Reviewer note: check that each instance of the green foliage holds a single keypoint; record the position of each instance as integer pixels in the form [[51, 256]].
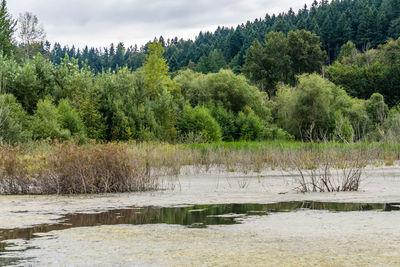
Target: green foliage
[[347, 52], [7, 29], [60, 122], [46, 122], [374, 71], [70, 120], [232, 91], [282, 57], [268, 65], [250, 126], [304, 50], [155, 70], [199, 121], [318, 110], [14, 121], [73, 101], [166, 113], [226, 120], [312, 116], [392, 126], [32, 81], [211, 63], [376, 108], [88, 107], [343, 132]]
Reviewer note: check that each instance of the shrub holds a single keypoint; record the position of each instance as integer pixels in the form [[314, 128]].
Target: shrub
[[46, 122], [250, 126], [392, 126], [276, 133], [343, 130], [198, 120], [14, 121], [376, 108], [226, 120], [231, 91], [318, 110], [70, 120]]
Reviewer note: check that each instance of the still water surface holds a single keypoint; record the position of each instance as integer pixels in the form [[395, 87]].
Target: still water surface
[[191, 216]]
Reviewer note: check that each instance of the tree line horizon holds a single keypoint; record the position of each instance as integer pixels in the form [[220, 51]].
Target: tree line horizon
[[331, 72]]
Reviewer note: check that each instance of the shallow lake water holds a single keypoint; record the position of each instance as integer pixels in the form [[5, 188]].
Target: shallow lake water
[[168, 228]]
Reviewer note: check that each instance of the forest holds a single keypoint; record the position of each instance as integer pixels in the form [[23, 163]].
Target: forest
[[327, 73]]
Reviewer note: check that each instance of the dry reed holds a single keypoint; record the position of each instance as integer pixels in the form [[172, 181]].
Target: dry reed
[[67, 168]]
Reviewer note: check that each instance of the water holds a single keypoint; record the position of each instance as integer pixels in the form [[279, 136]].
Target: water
[[191, 216]]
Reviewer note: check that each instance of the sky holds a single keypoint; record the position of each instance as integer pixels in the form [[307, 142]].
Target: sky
[[99, 23]]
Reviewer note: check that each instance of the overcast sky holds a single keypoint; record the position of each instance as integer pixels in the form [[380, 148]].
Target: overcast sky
[[100, 22]]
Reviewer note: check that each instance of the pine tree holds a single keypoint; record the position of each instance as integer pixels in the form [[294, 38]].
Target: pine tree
[[7, 29]]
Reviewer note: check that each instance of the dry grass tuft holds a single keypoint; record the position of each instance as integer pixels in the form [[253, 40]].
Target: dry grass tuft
[[71, 169]]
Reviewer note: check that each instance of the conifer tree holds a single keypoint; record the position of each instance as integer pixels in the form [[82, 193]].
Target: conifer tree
[[7, 29]]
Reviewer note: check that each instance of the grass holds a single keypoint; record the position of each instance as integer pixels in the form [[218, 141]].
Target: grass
[[295, 145], [67, 168]]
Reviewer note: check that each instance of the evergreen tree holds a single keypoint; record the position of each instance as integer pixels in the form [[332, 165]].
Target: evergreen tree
[[7, 29]]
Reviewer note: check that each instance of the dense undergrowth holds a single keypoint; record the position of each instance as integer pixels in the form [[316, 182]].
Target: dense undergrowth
[[68, 168]]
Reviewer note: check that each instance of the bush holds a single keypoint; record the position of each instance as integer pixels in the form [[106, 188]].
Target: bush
[[392, 126], [376, 108], [198, 120], [46, 122], [276, 133], [226, 120], [32, 82], [343, 130], [250, 126], [14, 121], [70, 120], [318, 110], [231, 91]]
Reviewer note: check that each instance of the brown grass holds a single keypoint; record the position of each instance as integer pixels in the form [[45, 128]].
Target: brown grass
[[67, 168], [71, 169]]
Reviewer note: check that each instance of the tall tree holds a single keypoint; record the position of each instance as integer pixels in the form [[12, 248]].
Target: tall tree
[[118, 59], [268, 65], [31, 32], [155, 69], [7, 29], [304, 49]]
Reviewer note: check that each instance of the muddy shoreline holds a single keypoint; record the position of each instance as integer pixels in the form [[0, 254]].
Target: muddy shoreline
[[379, 185], [301, 237]]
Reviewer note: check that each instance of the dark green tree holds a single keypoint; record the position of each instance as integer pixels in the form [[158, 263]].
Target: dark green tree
[[304, 50], [267, 65], [7, 29]]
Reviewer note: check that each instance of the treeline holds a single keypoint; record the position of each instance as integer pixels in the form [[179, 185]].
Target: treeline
[[281, 58], [367, 23], [66, 101], [285, 91]]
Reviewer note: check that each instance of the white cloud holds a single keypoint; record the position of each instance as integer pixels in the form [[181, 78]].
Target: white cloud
[[101, 22]]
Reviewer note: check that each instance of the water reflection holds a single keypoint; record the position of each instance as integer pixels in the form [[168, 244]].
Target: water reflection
[[186, 215], [197, 216]]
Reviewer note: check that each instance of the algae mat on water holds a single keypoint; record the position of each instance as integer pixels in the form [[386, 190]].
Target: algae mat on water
[[191, 216]]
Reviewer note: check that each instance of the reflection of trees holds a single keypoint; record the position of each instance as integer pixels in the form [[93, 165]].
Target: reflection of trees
[[188, 215]]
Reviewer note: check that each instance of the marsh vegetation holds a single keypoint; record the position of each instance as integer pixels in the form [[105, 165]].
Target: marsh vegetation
[[69, 168]]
